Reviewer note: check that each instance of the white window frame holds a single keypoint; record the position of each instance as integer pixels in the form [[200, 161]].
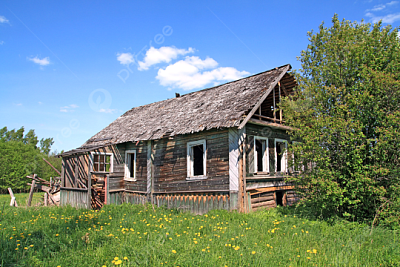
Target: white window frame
[[127, 174], [266, 155], [190, 169], [284, 165], [101, 153]]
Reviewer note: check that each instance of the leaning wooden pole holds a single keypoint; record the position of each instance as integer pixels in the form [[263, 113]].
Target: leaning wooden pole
[[57, 171], [32, 189], [13, 200]]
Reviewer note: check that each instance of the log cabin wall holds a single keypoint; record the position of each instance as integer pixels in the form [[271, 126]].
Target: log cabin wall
[[170, 163], [140, 185], [267, 190], [75, 170]]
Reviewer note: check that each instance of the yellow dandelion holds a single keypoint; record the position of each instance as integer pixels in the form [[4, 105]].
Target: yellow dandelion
[[237, 248], [173, 251], [125, 258], [253, 252]]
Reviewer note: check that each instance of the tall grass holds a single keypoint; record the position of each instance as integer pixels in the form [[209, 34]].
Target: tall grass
[[134, 235]]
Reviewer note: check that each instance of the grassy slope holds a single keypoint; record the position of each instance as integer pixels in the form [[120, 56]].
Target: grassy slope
[[69, 237]]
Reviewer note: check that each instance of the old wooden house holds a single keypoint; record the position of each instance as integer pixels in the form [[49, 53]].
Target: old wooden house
[[219, 148]]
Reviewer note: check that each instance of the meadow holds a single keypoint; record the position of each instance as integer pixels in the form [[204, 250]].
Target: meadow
[[136, 235]]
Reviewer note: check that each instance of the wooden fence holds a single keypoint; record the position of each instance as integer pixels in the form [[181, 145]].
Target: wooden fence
[[76, 197]]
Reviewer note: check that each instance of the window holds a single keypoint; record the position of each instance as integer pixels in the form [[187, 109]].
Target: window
[[102, 162], [280, 155], [130, 165], [261, 155], [196, 160]]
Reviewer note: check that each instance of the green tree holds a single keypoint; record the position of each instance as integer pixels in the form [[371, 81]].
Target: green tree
[[20, 156], [346, 114]]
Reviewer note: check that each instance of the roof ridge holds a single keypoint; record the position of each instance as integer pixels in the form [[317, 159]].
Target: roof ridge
[[210, 88]]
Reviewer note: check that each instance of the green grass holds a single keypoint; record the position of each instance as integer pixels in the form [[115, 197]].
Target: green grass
[[22, 199], [54, 236]]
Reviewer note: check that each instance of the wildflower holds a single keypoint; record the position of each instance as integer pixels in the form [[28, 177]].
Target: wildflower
[[25, 248], [253, 252], [173, 251], [125, 258], [57, 234], [237, 248]]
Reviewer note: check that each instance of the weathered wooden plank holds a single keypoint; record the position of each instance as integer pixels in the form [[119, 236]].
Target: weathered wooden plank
[[270, 203]]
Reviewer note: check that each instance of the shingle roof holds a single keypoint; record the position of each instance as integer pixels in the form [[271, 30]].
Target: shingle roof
[[222, 106]]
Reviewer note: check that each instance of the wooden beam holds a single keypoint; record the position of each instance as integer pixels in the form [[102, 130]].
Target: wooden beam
[[57, 171], [62, 172], [271, 87], [271, 124], [246, 203], [271, 189], [76, 172], [89, 190]]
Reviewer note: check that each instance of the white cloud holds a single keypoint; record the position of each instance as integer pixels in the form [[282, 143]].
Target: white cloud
[[378, 7], [186, 74], [162, 54], [42, 62], [70, 108], [40, 103], [1, 42], [125, 58], [18, 104], [382, 6], [107, 110], [390, 18], [3, 19]]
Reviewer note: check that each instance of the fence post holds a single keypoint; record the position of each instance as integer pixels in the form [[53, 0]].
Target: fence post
[[32, 189]]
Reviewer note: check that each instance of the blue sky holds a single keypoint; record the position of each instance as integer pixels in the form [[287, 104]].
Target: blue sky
[[68, 69]]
